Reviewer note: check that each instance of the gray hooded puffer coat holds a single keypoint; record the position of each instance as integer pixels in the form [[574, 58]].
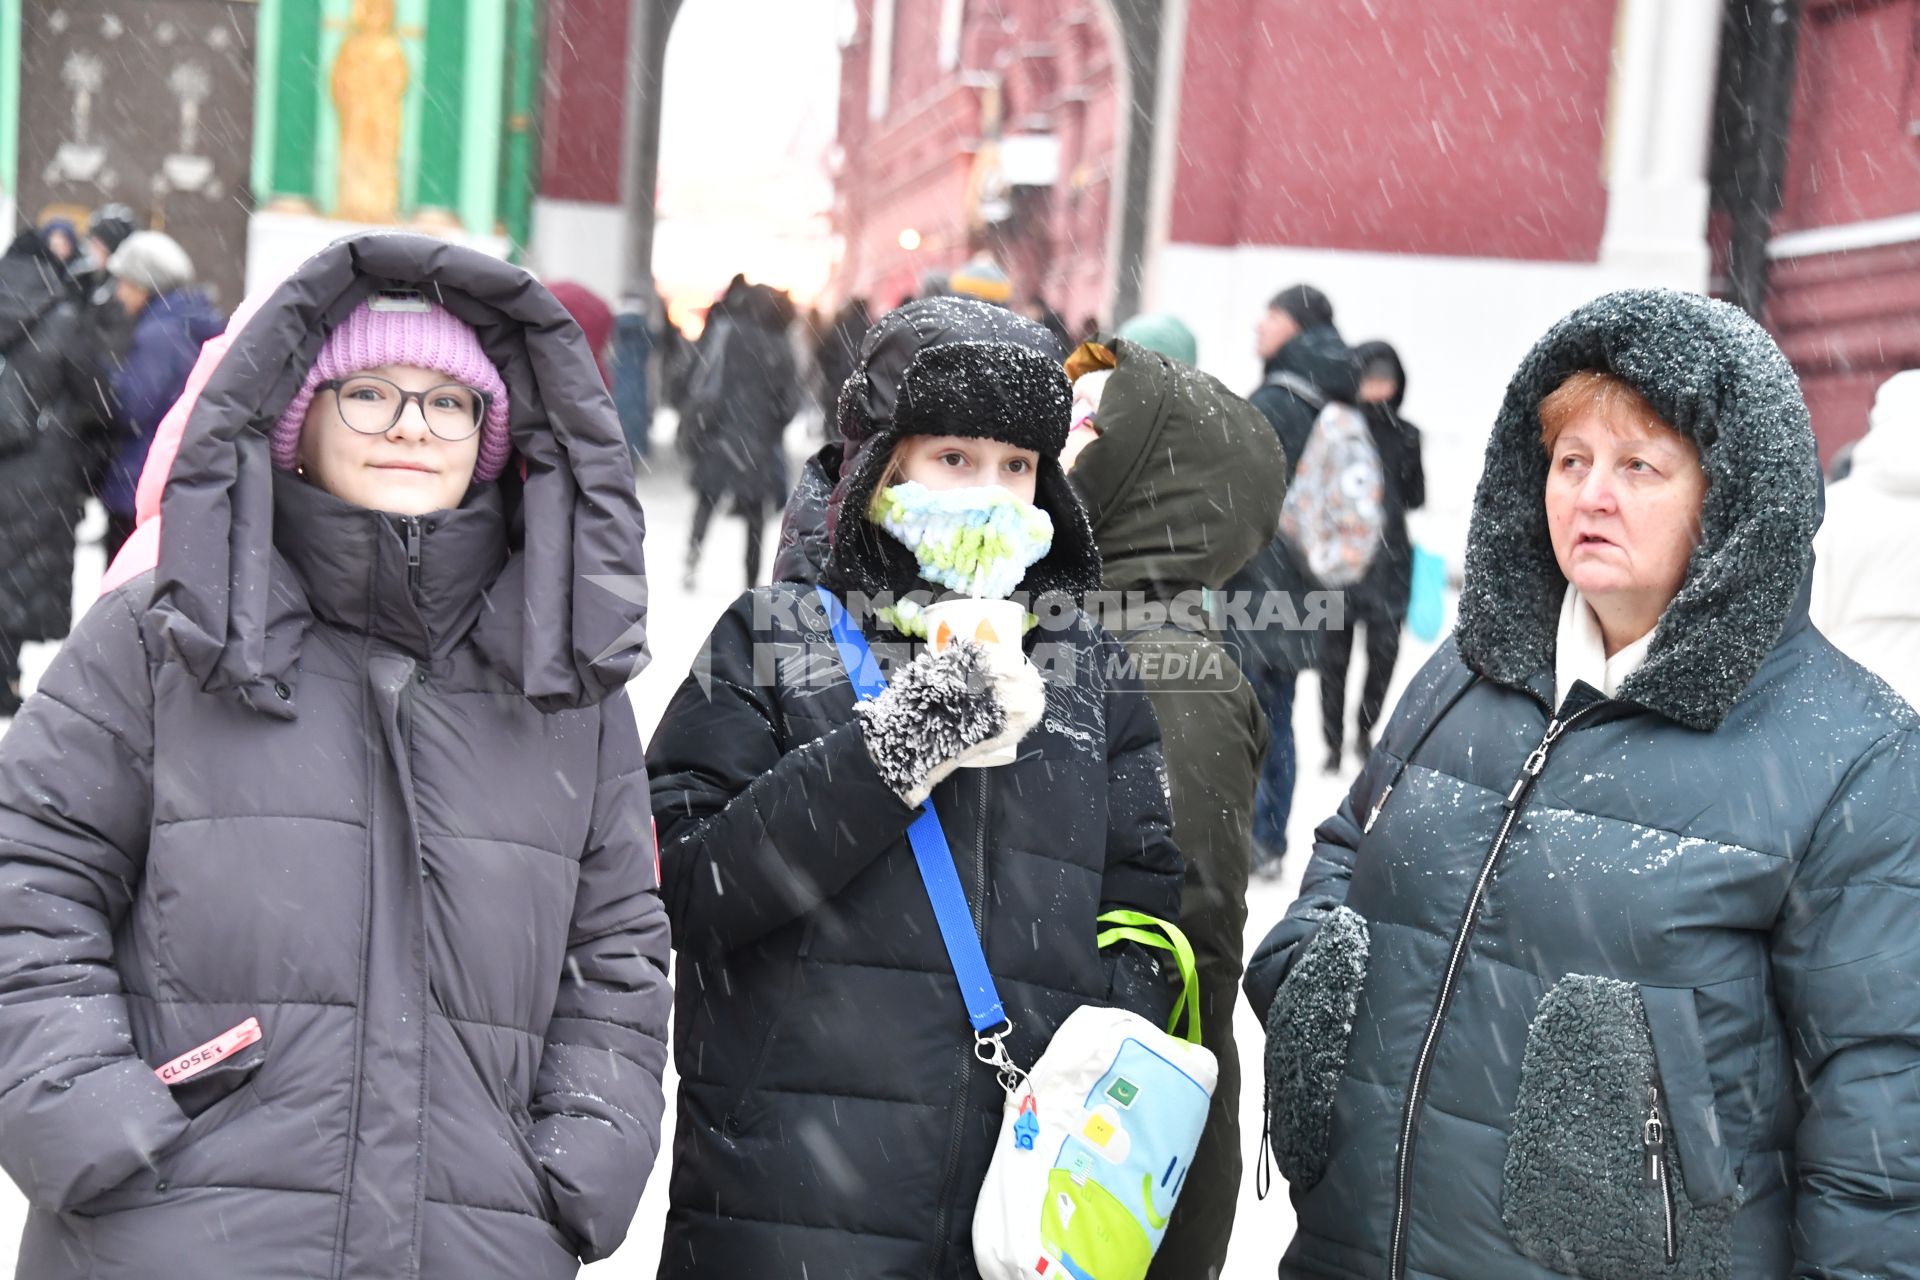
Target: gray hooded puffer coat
[[1629, 987], [391, 805]]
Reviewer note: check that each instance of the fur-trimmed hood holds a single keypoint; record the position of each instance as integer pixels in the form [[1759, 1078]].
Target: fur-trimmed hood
[[1716, 377]]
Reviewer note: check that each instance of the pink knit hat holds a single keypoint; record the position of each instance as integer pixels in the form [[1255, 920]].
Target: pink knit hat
[[430, 339]]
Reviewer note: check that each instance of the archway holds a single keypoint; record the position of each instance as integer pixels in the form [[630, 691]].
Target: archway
[[1145, 29]]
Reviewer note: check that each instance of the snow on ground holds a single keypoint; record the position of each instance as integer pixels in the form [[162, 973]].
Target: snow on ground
[[678, 622]]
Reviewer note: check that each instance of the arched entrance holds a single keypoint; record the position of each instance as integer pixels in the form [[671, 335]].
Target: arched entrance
[[1144, 28]]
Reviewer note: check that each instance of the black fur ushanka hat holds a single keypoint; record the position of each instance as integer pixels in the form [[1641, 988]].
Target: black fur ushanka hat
[[994, 386]]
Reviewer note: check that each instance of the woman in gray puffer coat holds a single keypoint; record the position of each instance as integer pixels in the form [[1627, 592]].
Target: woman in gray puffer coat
[[330, 939], [1607, 965]]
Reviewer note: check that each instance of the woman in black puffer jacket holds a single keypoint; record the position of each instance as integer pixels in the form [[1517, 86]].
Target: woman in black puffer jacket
[[832, 1117], [1606, 967]]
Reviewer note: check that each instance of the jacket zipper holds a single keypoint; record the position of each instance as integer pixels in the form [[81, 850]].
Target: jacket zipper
[[1416, 1091], [1653, 1138], [1380, 804], [411, 524], [958, 1137]]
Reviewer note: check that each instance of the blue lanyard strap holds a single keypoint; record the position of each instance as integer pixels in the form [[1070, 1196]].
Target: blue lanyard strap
[[930, 848]]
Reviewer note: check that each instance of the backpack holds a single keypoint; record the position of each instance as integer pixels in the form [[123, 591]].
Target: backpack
[[1335, 511], [706, 390]]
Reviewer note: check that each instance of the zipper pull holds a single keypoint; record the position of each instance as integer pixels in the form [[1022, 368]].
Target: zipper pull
[[1536, 761], [1373, 814], [412, 526], [1653, 1138]]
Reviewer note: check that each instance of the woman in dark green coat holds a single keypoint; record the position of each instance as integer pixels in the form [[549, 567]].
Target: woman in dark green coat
[[1183, 484], [1607, 965]]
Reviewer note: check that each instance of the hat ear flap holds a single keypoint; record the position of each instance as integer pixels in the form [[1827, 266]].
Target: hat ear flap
[[850, 410]]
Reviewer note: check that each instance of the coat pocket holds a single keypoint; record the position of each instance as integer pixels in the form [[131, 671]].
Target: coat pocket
[[1309, 1028], [1614, 1169], [743, 1112], [520, 1124], [203, 1053]]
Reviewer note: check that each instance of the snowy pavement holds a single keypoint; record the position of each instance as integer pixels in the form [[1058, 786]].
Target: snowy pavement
[[678, 622]]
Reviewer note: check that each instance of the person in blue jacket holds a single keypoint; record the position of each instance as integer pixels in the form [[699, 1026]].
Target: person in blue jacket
[[153, 280]]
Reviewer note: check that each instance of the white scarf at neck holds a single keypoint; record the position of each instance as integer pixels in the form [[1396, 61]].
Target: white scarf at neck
[[1580, 653]]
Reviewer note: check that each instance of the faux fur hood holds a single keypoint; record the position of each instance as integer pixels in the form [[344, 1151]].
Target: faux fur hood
[[1717, 378]]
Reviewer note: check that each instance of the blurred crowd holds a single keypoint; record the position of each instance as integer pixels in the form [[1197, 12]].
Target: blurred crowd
[[98, 330]]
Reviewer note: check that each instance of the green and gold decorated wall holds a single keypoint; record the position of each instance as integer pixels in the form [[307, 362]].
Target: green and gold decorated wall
[[467, 131]]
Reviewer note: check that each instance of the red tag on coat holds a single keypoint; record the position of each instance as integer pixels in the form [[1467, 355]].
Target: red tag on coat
[[186, 1066]]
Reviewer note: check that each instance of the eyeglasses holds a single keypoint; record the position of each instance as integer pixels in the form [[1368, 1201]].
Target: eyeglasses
[[372, 406]]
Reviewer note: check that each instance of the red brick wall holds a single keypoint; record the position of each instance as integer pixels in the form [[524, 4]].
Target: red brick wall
[[1447, 127], [585, 84], [1850, 155], [1056, 62], [1848, 321], [1086, 121]]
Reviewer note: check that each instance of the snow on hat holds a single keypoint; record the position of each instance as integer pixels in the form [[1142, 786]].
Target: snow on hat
[[151, 260], [991, 390], [432, 339], [996, 386]]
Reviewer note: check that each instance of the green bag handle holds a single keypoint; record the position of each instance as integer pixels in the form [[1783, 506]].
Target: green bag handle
[[1138, 926]]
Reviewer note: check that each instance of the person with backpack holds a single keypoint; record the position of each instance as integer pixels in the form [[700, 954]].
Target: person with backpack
[[1605, 966], [50, 426], [833, 1119], [1308, 367], [332, 942], [1378, 601]]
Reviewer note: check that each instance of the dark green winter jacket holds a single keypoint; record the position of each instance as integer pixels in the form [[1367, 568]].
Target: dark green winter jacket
[[1183, 487], [1630, 987]]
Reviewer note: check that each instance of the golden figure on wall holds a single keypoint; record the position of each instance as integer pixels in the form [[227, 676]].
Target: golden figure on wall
[[369, 82]]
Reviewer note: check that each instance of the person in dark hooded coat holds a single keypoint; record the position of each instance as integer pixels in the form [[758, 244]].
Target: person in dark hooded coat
[[50, 425], [332, 944], [1379, 601], [742, 397], [1606, 966], [833, 1119], [869, 393], [1307, 364], [1183, 484]]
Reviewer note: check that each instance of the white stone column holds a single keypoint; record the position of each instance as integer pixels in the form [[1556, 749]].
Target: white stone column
[[1666, 67]]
